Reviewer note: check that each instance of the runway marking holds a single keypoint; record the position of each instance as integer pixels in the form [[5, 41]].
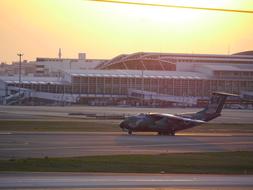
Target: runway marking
[[6, 133]]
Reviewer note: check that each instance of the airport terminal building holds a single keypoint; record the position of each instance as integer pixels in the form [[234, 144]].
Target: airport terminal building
[[139, 78]]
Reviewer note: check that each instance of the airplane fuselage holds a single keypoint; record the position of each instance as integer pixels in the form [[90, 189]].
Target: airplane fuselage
[[161, 123]]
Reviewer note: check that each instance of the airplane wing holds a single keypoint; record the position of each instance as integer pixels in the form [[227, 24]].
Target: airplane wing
[[98, 116], [177, 118]]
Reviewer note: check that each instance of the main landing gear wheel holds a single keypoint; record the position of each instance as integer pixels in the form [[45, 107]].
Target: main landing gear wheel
[[172, 133], [130, 132]]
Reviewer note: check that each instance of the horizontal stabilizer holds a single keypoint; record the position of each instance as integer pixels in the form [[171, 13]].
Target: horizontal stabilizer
[[225, 94]]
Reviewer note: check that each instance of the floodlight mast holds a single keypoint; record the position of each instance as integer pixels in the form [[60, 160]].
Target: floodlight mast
[[19, 76]]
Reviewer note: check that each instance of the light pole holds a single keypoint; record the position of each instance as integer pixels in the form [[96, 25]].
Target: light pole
[[19, 75]]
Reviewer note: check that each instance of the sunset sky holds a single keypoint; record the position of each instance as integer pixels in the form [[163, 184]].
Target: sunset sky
[[38, 28]]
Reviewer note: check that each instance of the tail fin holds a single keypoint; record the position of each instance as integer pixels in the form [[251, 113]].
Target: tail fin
[[214, 107]]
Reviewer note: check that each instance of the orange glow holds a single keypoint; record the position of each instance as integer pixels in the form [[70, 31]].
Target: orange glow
[[104, 30]]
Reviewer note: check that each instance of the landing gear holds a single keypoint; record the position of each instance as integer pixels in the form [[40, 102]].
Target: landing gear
[[130, 132], [170, 133]]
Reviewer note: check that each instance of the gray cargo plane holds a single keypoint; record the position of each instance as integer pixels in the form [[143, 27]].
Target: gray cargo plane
[[168, 124]]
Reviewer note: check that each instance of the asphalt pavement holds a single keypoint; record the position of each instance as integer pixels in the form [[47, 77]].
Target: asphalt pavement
[[87, 180], [42, 112], [60, 144]]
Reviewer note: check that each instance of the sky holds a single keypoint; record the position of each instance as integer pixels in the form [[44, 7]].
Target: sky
[[38, 28]]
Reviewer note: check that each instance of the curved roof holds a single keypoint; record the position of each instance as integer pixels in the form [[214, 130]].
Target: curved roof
[[167, 61], [140, 61], [245, 53]]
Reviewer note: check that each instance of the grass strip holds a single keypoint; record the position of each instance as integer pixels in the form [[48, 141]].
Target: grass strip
[[223, 128], [107, 126], [58, 125], [197, 163]]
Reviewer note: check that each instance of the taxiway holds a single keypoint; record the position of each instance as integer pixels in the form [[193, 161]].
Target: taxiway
[[42, 112]]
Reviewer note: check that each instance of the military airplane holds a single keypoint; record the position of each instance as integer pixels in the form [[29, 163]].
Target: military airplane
[[168, 124]]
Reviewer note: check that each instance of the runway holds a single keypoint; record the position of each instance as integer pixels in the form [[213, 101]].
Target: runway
[[87, 180], [60, 144]]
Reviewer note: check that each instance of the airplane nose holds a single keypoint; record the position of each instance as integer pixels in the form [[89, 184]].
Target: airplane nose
[[123, 125]]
